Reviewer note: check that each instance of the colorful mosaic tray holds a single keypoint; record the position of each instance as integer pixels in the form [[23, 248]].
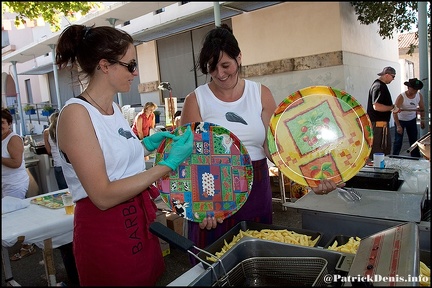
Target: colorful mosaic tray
[[214, 181], [319, 133], [53, 201]]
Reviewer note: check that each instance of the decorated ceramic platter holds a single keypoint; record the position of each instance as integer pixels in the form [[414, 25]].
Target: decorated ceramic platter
[[53, 201], [319, 133], [214, 181]]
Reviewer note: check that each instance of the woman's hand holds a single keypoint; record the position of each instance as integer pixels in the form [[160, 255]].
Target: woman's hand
[[152, 142], [210, 223], [399, 129], [326, 186], [180, 150]]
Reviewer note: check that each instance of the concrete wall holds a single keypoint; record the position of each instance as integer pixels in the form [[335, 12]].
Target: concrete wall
[[148, 70], [294, 45], [288, 30]]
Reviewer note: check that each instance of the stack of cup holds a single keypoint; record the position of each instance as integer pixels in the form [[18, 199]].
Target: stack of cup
[[378, 160]]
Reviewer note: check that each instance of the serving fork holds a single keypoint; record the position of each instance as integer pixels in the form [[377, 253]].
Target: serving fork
[[350, 194]]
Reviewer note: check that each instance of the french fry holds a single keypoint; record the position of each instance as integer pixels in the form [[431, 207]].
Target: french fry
[[350, 247], [283, 236], [424, 269], [424, 275]]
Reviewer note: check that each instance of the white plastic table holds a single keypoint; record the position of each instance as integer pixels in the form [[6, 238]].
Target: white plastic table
[[46, 228]]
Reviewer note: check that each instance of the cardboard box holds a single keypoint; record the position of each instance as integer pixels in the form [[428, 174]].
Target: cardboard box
[[160, 217], [175, 222]]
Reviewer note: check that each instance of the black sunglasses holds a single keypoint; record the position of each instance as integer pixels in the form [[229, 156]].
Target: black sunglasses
[[131, 66]]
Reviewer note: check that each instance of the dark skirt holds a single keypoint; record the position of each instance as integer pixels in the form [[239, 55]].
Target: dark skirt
[[257, 208]]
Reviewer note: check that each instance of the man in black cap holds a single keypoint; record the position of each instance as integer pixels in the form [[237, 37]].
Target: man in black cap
[[410, 102], [380, 107]]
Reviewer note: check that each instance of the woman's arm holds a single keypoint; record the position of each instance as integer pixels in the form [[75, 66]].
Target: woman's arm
[[398, 103], [190, 111], [269, 106], [47, 144], [140, 127], [77, 138], [15, 148]]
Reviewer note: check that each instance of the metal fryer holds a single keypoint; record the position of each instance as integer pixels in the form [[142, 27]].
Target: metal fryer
[[297, 265], [389, 257], [256, 262]]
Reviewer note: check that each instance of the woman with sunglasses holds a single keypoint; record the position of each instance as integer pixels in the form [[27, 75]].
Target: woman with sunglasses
[[227, 94], [102, 161]]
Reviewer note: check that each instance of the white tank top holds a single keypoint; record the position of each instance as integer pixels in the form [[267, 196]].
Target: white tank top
[[241, 117], [15, 181], [54, 152], [409, 104], [123, 152]]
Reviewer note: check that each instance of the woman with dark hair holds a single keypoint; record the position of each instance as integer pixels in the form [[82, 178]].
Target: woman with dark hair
[[245, 108], [15, 180], [102, 161]]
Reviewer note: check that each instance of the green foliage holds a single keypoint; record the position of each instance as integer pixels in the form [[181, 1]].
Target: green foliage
[[28, 107], [48, 108], [390, 16], [50, 11]]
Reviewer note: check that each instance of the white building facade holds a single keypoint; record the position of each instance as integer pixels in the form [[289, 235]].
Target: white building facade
[[286, 46]]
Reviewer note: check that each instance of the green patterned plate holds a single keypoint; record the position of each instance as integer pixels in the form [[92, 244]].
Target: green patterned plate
[[214, 181]]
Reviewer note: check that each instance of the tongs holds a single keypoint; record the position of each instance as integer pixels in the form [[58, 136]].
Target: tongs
[[349, 195]]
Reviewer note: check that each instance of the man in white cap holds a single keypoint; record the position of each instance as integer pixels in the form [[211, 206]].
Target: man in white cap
[[411, 103], [379, 109]]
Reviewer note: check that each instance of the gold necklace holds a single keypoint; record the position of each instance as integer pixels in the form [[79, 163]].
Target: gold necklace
[[97, 103]]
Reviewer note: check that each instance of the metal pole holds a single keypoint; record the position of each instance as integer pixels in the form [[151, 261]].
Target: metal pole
[[424, 61], [55, 70], [23, 129], [216, 8], [112, 21]]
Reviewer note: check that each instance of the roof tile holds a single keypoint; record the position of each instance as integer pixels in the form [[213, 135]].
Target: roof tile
[[405, 40]]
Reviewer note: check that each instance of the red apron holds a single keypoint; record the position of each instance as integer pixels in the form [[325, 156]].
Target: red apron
[[115, 247]]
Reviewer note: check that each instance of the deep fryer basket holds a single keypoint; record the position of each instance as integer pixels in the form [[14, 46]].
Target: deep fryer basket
[[278, 271]]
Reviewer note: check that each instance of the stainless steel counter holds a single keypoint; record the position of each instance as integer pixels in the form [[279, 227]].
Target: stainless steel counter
[[376, 211], [391, 205]]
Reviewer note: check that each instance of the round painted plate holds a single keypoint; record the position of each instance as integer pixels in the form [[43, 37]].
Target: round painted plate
[[319, 133], [214, 181]]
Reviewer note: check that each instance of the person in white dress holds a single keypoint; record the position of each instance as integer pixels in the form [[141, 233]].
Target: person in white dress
[[15, 179]]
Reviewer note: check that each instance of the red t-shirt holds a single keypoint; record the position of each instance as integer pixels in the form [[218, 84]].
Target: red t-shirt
[[147, 123]]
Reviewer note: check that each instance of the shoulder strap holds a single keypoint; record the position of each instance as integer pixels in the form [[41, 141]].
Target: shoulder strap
[[82, 98]]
